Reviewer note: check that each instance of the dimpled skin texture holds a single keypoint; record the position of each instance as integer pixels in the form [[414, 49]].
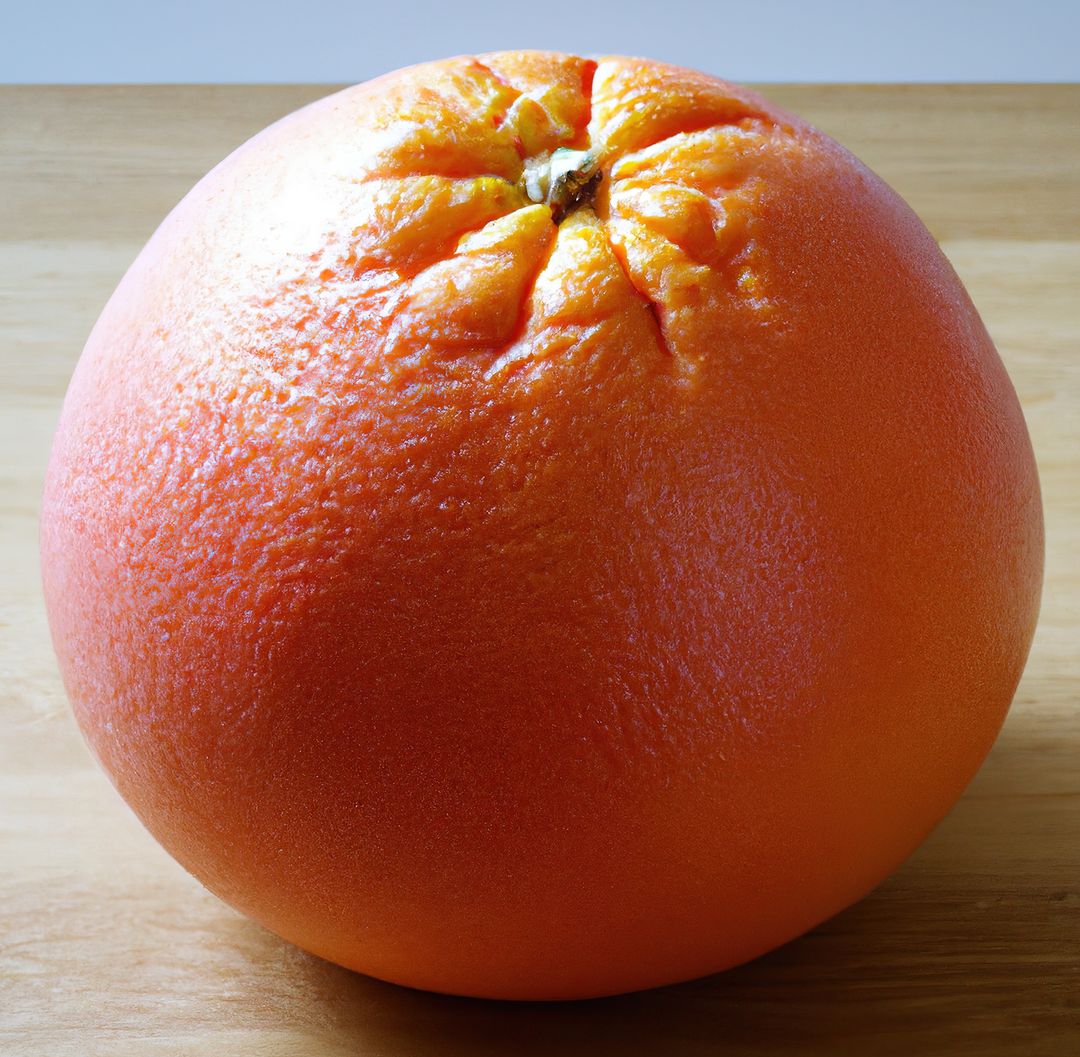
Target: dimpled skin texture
[[529, 610]]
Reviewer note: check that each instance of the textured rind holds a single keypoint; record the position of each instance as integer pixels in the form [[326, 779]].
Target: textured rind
[[534, 611]]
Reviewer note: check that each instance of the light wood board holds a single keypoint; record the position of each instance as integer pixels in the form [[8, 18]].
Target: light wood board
[[108, 947]]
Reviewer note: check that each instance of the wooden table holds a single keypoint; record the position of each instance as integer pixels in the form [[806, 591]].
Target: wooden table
[[108, 947]]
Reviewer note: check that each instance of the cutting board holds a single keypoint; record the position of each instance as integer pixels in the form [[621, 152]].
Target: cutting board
[[108, 947]]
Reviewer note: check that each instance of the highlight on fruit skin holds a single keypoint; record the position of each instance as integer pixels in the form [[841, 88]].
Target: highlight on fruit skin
[[534, 527]]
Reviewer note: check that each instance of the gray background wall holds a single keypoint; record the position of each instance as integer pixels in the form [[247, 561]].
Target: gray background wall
[[75, 41]]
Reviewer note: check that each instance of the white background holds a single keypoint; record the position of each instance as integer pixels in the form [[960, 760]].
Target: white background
[[321, 41]]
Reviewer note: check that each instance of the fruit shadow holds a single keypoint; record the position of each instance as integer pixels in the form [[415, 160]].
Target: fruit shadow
[[945, 948]]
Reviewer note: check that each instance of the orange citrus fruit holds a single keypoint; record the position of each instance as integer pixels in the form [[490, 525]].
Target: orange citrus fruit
[[538, 527]]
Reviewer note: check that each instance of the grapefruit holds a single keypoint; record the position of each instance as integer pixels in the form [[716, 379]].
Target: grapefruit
[[538, 527]]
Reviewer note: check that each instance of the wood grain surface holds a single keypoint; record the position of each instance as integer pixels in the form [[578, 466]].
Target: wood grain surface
[[108, 947]]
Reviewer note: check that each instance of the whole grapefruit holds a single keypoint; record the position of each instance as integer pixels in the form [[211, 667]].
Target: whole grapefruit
[[538, 527]]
